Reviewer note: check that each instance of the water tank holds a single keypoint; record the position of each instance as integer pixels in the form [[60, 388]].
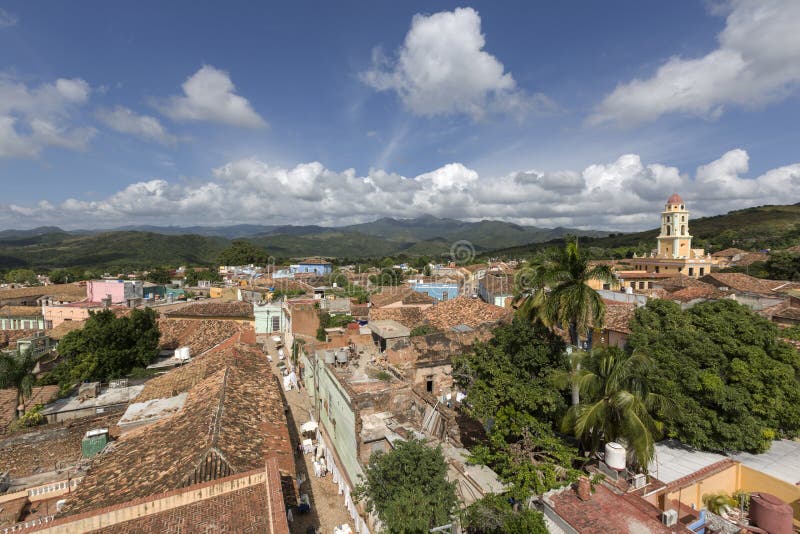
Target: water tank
[[770, 513], [615, 456], [341, 356], [330, 357]]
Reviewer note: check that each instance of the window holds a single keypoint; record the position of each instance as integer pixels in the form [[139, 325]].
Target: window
[[429, 384], [633, 285], [682, 206], [691, 271], [668, 218], [657, 269], [649, 285], [683, 218], [683, 230], [641, 285], [702, 269], [445, 296], [606, 286], [668, 230], [276, 323]]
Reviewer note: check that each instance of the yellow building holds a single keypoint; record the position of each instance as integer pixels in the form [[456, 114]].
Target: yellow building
[[674, 254]]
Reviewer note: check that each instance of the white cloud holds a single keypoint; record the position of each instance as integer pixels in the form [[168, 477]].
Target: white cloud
[[757, 62], [209, 95], [32, 118], [442, 69], [125, 120], [623, 194], [7, 19]]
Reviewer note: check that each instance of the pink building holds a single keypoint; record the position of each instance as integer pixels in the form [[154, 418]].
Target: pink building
[[54, 315], [120, 291]]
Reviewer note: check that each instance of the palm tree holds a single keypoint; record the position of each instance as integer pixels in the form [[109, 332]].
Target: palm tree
[[559, 295], [16, 371], [618, 404]]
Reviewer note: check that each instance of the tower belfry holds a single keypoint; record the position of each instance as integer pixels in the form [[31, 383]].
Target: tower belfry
[[674, 241]]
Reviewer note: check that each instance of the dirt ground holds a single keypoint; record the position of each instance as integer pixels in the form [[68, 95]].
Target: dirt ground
[[327, 506]]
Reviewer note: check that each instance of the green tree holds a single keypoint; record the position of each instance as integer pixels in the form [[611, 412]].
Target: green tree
[[733, 382], [783, 265], [159, 276], [408, 488], [108, 346], [243, 252], [510, 388], [618, 404], [192, 277], [559, 294], [493, 514], [16, 371], [21, 276]]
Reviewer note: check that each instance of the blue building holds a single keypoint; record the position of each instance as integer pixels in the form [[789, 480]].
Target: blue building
[[318, 267], [439, 291]]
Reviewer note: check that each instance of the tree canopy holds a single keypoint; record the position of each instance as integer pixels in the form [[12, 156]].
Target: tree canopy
[[783, 265], [734, 384], [510, 389], [16, 371], [192, 277], [21, 276], [493, 514], [108, 346], [243, 252], [408, 488]]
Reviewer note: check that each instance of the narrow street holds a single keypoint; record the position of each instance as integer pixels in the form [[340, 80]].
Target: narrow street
[[327, 506]]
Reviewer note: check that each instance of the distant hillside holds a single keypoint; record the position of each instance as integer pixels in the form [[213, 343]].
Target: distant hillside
[[758, 228], [146, 246]]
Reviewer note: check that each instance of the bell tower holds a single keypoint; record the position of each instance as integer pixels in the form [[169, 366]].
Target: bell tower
[[674, 241]]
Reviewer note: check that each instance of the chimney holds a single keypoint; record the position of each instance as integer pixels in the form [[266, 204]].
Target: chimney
[[584, 489]]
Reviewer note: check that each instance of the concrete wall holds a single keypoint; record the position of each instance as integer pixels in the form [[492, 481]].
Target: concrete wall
[[305, 319], [337, 415], [725, 481], [55, 315], [97, 290], [438, 291], [264, 322], [752, 480]]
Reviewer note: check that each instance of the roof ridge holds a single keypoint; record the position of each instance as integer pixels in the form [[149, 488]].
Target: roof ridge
[[214, 427]]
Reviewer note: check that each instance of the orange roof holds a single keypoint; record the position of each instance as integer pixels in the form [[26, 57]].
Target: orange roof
[[675, 199]]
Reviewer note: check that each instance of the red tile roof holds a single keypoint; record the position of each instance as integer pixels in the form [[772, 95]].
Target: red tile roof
[[606, 512], [464, 310], [688, 294], [748, 284], [235, 309], [20, 311], [198, 335], [618, 316], [8, 401], [232, 421]]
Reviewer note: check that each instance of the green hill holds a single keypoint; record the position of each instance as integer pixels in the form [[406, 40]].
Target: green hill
[[758, 228]]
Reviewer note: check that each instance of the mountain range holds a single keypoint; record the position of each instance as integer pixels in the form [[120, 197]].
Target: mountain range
[[146, 246]]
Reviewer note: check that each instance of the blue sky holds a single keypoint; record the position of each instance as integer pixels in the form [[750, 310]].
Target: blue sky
[[557, 113]]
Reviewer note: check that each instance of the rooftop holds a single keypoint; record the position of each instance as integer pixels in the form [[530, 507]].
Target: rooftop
[[674, 461], [389, 329], [410, 316], [8, 400], [464, 311], [618, 316], [198, 335], [607, 512], [20, 311], [62, 292], [749, 284], [235, 309], [230, 423]]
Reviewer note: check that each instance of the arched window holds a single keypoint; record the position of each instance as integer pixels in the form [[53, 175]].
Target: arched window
[[667, 230], [683, 230]]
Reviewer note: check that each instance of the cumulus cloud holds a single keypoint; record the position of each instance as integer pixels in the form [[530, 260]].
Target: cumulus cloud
[[623, 194], [32, 118], [7, 19], [127, 121], [209, 95], [442, 69], [757, 61]]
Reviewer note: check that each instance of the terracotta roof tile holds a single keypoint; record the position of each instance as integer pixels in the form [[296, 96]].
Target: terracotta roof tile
[[64, 328], [20, 311], [232, 421], [198, 335], [62, 292], [728, 253], [618, 316], [215, 309], [748, 284], [8, 401], [688, 294], [411, 316], [464, 310]]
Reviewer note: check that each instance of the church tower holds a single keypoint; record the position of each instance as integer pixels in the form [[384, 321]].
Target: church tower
[[674, 241]]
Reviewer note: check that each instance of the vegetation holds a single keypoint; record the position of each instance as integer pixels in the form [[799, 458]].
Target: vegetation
[[783, 266], [107, 347], [21, 276], [16, 371], [510, 388], [243, 252], [159, 276], [494, 515], [278, 294], [791, 333], [192, 277], [617, 404], [32, 417], [408, 489], [388, 277], [734, 384], [327, 320], [423, 330], [66, 276]]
